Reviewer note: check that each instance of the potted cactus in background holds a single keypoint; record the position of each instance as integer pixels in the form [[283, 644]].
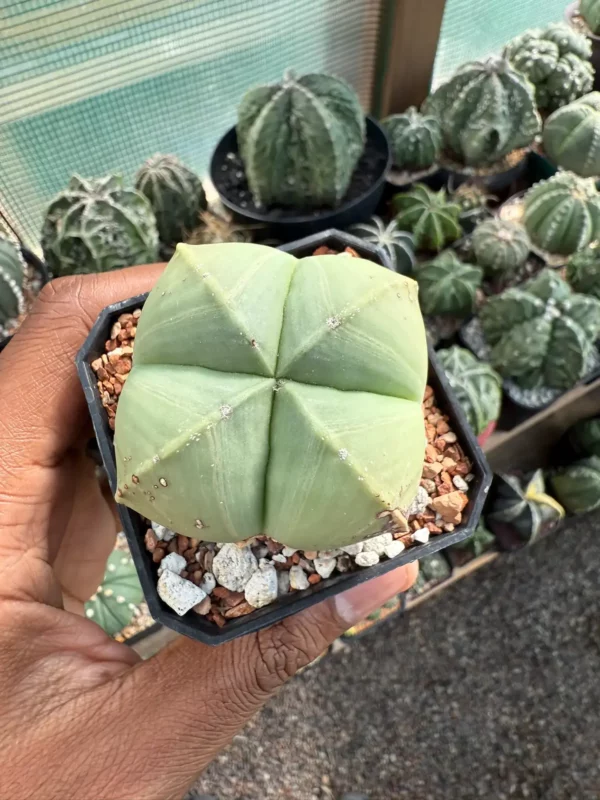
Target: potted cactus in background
[[117, 600], [583, 271], [584, 17], [398, 245], [501, 248], [577, 487], [474, 201], [448, 287], [584, 437], [572, 136], [416, 143], [431, 217]]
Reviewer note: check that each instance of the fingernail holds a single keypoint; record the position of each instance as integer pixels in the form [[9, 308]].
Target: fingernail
[[356, 604]]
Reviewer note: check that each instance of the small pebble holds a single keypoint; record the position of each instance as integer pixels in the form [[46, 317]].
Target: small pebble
[[469, 477], [298, 579], [344, 563], [353, 549], [368, 559], [208, 582], [262, 587], [280, 558], [325, 566], [288, 552], [310, 554], [203, 606], [330, 553], [283, 582], [162, 533], [421, 536], [419, 504], [377, 544], [394, 549], [179, 594], [172, 562], [460, 483], [233, 566]]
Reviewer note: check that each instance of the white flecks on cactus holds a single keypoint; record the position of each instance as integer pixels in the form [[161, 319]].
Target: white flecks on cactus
[[415, 139], [262, 588], [12, 266], [178, 593], [233, 566], [572, 136]]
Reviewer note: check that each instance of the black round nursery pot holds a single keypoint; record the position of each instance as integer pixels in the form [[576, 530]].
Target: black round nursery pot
[[286, 226], [495, 182], [134, 526]]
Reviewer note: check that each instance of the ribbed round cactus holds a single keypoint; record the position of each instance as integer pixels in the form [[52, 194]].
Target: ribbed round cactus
[[96, 226], [562, 214], [398, 245], [429, 216], [175, 194], [114, 603], [416, 139], [583, 271], [447, 287], [500, 247], [487, 110], [585, 437], [572, 136], [541, 334], [300, 140], [590, 11], [577, 487], [523, 505], [478, 387], [12, 299], [274, 395]]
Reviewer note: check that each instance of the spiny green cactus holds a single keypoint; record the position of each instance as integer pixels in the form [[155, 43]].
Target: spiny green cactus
[[273, 395], [585, 437], [583, 271], [478, 387], [590, 11], [114, 604], [398, 245], [96, 226], [300, 140], [500, 247], [572, 136], [577, 487], [562, 214], [12, 299], [524, 505], [487, 110], [556, 61], [447, 287], [541, 334], [429, 216], [175, 194], [416, 139]]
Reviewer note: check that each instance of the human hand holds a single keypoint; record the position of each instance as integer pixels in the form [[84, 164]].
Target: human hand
[[82, 716]]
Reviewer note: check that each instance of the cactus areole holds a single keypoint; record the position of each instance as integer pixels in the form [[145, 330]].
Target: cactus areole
[[274, 395]]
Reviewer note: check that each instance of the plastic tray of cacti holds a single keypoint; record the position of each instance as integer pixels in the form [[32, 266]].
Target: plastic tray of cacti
[[135, 526]]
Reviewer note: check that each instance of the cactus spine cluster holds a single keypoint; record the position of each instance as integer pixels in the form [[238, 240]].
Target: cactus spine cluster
[[500, 247], [590, 11], [175, 194], [300, 140], [572, 136], [447, 287], [429, 216], [255, 405], [97, 226], [486, 110], [12, 299], [562, 214], [477, 386], [583, 271], [416, 139], [399, 246]]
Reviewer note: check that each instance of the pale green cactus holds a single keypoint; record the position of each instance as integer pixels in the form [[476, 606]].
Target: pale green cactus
[[585, 437], [572, 136], [398, 245], [447, 287], [96, 226], [300, 140], [478, 387], [500, 247], [542, 334], [175, 194], [429, 216], [523, 504], [12, 299], [590, 11], [415, 139], [583, 271], [562, 214], [486, 110], [114, 603], [273, 395], [577, 487]]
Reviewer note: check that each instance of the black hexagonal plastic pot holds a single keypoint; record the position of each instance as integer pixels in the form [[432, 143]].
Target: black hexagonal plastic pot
[[196, 626]]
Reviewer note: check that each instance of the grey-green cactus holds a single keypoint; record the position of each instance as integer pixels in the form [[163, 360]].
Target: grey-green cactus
[[175, 194], [96, 226], [590, 11], [300, 140], [478, 387], [583, 271], [572, 136], [577, 487], [556, 61], [585, 437], [429, 216], [523, 505], [562, 214], [415, 139], [500, 247], [542, 334], [115, 602], [448, 287], [487, 110], [12, 299], [270, 394], [398, 245]]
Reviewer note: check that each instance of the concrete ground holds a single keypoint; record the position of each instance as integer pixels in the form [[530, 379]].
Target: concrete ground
[[491, 690]]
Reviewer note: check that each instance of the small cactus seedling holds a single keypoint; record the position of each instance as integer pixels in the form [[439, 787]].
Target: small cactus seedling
[[300, 140], [97, 226], [486, 110], [429, 216], [577, 487], [590, 11], [500, 247], [542, 334], [583, 271], [416, 139], [562, 214], [12, 299], [572, 136], [523, 505], [585, 437], [448, 287], [398, 245], [478, 387], [274, 395], [114, 604], [175, 194]]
